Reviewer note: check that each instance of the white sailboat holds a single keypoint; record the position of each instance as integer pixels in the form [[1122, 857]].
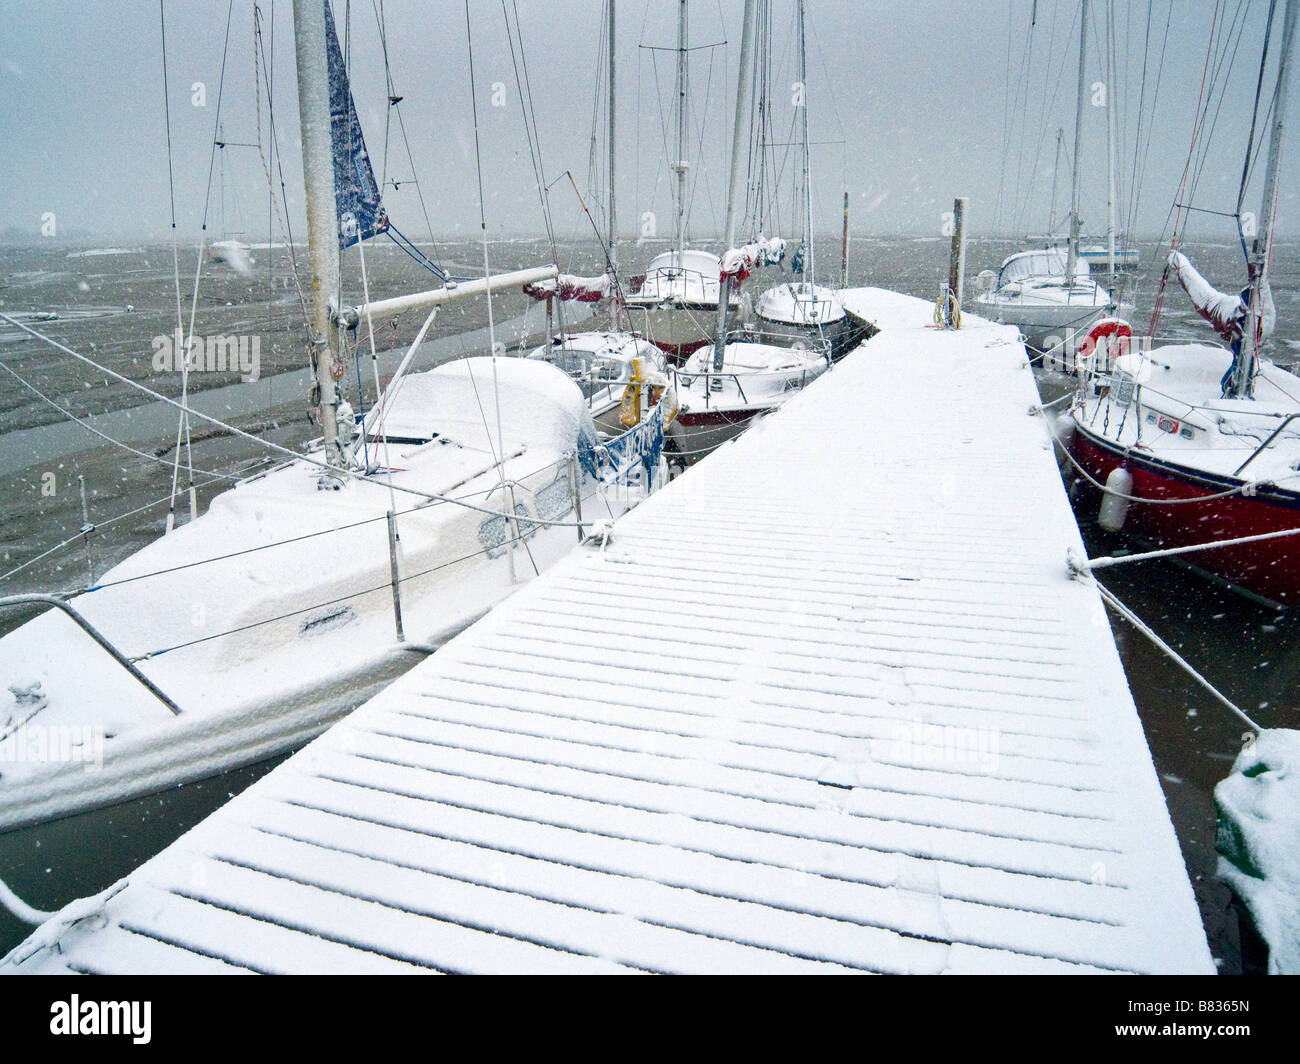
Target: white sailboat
[[674, 304], [743, 373], [302, 591], [602, 362], [1045, 292], [803, 308]]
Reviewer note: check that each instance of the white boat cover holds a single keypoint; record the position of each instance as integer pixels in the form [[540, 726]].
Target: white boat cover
[[572, 289], [1227, 313], [741, 262]]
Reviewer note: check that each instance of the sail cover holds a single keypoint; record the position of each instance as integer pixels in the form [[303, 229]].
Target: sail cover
[[570, 288], [356, 193], [1227, 313], [741, 262]]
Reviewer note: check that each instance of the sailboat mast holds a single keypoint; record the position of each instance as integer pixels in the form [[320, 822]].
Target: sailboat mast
[[738, 128], [808, 272], [1072, 260], [1056, 169], [1260, 250], [613, 216], [322, 219], [737, 141], [683, 86], [1110, 145]]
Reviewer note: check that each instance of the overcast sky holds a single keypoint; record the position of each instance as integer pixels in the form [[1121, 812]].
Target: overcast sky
[[931, 99]]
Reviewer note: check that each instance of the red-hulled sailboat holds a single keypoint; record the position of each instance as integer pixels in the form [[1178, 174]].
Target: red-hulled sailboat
[[1199, 444]]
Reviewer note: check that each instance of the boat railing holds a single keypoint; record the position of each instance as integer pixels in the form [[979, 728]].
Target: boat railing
[[747, 334], [680, 282], [714, 381], [518, 524], [1266, 444], [815, 310], [16, 601]]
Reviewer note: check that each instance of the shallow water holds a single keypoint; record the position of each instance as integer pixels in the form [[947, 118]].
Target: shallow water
[[1249, 651]]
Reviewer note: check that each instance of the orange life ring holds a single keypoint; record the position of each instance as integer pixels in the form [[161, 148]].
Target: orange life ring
[[1109, 330]]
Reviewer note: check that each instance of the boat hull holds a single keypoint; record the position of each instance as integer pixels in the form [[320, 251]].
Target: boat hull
[[192, 749], [1270, 570], [844, 334], [696, 434], [1043, 324], [677, 329]]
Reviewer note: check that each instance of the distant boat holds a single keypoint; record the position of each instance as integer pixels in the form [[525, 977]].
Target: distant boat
[[674, 303], [803, 308], [1033, 291], [234, 254], [719, 400], [602, 364], [745, 373], [1048, 292], [1127, 257]]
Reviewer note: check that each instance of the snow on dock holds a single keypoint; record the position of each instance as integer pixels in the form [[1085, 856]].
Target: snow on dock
[[829, 702]]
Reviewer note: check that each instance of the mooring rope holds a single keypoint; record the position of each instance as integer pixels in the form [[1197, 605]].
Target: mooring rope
[[1170, 552], [1113, 601], [19, 908]]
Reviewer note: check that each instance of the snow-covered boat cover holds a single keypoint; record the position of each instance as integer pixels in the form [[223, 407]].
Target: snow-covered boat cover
[[572, 289], [799, 304], [692, 278], [1042, 262], [1227, 313], [741, 262], [537, 404], [1259, 840]]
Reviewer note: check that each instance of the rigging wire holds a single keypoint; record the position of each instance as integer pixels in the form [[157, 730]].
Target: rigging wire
[[1141, 153], [183, 424], [1006, 121], [394, 107], [1020, 110], [91, 428], [263, 71], [1176, 209], [176, 269], [507, 491], [1048, 106], [1218, 86], [306, 459], [1254, 117], [596, 162], [523, 85]]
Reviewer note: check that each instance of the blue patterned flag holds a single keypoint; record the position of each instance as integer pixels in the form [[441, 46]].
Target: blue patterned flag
[[356, 193]]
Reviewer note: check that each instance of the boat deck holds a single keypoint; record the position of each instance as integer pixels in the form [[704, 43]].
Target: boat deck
[[828, 702]]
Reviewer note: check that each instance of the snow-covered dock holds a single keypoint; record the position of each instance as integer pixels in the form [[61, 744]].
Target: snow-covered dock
[[829, 702]]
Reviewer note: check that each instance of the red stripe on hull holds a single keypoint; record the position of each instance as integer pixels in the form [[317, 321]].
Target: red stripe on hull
[[697, 418], [679, 353], [1270, 569]]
